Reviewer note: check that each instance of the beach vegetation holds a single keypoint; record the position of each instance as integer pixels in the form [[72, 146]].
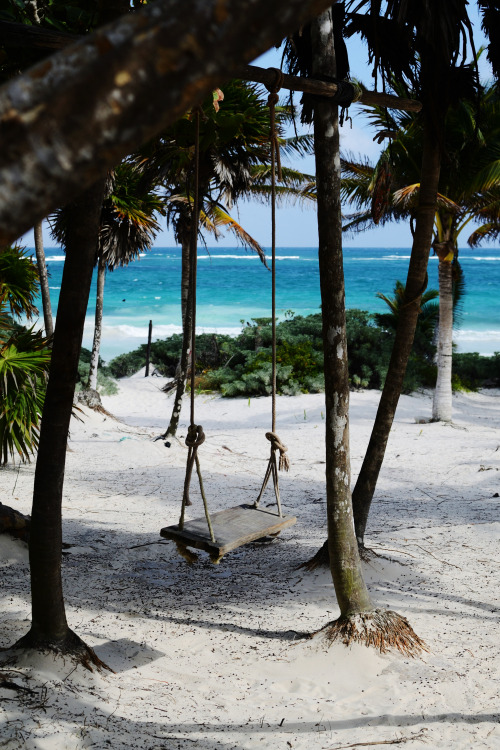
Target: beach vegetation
[[24, 357], [241, 365]]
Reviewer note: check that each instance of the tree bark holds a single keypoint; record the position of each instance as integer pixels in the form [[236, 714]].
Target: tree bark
[[44, 280], [345, 563], [187, 331], [96, 344], [49, 628], [442, 401], [415, 284], [77, 113]]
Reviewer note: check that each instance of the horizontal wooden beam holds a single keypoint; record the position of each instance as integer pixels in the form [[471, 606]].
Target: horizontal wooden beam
[[267, 76], [17, 34]]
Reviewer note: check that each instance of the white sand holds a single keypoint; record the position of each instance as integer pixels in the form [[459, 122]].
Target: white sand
[[206, 656]]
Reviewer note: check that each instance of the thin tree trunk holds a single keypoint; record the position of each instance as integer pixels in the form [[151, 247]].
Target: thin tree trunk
[[415, 284], [96, 344], [49, 627], [44, 280], [358, 620], [187, 328], [345, 564], [442, 402]]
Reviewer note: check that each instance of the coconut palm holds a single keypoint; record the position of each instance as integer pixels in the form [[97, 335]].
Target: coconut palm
[[24, 358], [469, 190], [422, 45], [127, 228], [234, 164]]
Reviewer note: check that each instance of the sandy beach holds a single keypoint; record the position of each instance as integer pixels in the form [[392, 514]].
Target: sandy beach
[[209, 656]]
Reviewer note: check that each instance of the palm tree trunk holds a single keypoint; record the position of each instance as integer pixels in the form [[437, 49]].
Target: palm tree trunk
[[358, 620], [442, 402], [187, 327], [49, 628], [96, 344], [345, 564], [405, 332], [44, 280]]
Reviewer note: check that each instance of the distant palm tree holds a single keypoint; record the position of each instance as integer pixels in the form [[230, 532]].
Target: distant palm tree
[[469, 191], [128, 227]]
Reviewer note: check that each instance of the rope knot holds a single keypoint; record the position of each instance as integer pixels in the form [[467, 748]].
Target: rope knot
[[277, 445], [195, 436]]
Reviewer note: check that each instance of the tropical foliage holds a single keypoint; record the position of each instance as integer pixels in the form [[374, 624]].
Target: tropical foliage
[[24, 358], [241, 366]]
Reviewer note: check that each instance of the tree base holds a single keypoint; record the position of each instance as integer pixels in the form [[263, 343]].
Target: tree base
[[381, 629], [71, 646], [322, 557], [91, 398]]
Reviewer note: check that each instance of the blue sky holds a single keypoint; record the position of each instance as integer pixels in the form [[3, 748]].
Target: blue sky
[[296, 225]]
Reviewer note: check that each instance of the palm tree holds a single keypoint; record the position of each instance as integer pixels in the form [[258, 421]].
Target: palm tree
[[44, 280], [234, 160], [358, 620], [127, 228], [422, 45], [24, 358], [469, 191]]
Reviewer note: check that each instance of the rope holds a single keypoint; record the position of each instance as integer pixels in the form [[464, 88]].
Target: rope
[[276, 444], [195, 436]]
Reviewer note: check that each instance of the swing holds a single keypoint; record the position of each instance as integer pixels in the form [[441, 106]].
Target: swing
[[233, 527]]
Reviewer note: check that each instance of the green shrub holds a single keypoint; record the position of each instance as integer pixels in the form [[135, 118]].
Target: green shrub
[[241, 366]]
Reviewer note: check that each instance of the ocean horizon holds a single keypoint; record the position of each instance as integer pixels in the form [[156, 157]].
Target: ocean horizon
[[234, 286]]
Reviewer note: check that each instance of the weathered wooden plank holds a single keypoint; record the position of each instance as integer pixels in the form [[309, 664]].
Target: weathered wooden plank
[[233, 527]]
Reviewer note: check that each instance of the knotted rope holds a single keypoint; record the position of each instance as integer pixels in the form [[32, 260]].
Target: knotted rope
[[276, 444], [195, 436]]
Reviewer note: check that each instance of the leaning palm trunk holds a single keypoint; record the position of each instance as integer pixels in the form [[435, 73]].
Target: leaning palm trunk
[[358, 620], [442, 403], [96, 345], [415, 284], [49, 627], [44, 280]]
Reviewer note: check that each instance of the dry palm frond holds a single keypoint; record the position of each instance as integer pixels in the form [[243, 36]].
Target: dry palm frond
[[381, 629]]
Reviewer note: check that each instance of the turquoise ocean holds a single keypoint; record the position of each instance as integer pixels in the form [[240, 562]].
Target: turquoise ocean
[[233, 285]]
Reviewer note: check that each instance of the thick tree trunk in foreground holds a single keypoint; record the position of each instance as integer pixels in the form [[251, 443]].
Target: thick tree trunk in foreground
[[358, 620], [415, 284], [44, 280], [79, 112], [442, 402], [96, 344], [49, 628]]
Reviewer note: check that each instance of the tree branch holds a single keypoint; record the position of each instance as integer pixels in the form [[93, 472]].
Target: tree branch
[[79, 112]]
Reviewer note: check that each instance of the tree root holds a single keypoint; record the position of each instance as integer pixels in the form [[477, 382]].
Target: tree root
[[71, 646], [381, 629], [92, 399], [322, 557], [319, 560]]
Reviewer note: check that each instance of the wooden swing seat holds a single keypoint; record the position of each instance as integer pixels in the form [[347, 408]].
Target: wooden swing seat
[[232, 527]]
